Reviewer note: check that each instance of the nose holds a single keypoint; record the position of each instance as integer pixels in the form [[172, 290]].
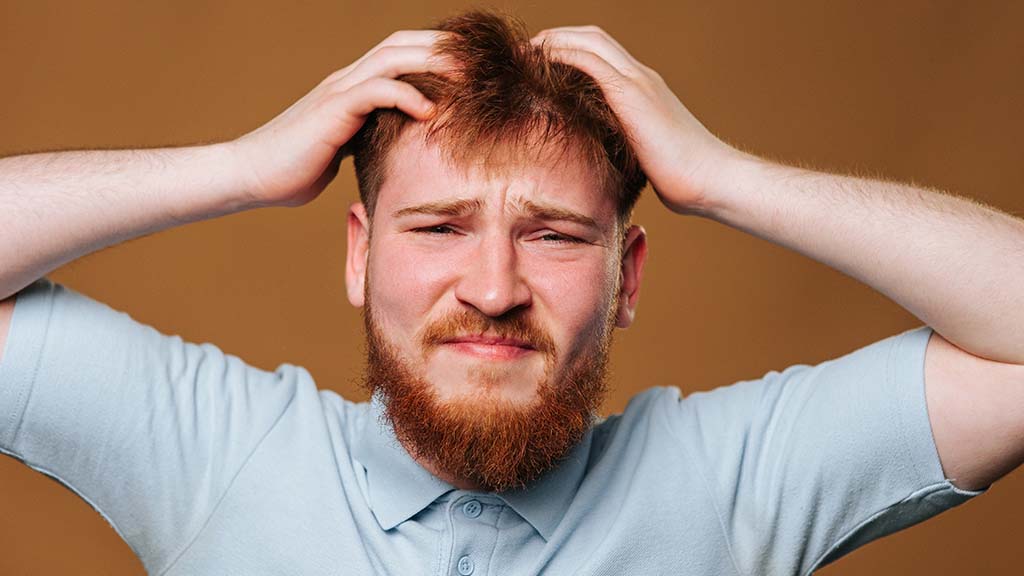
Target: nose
[[491, 281]]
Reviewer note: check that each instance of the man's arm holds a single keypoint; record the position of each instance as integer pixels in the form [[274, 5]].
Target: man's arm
[[955, 264], [952, 262], [62, 205], [59, 206]]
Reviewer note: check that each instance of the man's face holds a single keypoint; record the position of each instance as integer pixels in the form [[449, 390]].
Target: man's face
[[491, 298]]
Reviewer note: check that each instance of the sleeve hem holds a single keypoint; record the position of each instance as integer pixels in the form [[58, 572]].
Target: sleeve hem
[[907, 364], [53, 475], [932, 499], [936, 493]]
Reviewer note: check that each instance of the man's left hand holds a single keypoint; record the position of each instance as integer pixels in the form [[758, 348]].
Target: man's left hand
[[678, 154]]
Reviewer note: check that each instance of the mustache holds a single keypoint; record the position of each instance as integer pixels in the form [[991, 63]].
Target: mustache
[[469, 322]]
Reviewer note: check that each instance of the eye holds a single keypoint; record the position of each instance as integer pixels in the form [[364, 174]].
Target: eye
[[556, 238], [438, 230]]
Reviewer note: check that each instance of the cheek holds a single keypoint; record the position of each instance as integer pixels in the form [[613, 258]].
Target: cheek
[[573, 297], [405, 283]]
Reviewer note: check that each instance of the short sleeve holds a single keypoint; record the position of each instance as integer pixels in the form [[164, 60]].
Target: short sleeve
[[812, 462], [150, 430]]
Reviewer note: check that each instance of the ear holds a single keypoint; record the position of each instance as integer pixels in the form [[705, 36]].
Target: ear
[[358, 251], [634, 254]]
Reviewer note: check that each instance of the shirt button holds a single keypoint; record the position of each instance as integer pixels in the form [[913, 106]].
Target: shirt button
[[465, 566], [472, 508]]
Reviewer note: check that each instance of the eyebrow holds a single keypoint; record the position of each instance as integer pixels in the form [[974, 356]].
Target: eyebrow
[[464, 207], [442, 208]]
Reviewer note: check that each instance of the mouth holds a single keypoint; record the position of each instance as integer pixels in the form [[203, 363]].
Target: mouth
[[490, 347]]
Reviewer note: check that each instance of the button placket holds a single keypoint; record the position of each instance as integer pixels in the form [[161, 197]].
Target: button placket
[[474, 534]]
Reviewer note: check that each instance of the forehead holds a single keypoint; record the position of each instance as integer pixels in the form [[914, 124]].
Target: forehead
[[420, 172]]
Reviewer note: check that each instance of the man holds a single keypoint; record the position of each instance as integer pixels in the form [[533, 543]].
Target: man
[[493, 253]]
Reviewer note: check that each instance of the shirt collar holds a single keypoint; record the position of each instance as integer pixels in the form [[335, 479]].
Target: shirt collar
[[544, 503], [399, 488]]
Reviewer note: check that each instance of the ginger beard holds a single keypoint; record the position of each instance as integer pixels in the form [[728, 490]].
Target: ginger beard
[[485, 439]]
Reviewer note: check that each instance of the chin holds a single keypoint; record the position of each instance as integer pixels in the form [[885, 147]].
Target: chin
[[480, 397], [488, 391]]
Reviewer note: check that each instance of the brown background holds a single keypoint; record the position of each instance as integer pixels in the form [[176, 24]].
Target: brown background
[[929, 92]]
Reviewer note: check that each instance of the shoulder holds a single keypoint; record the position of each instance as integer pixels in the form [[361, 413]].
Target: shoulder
[[645, 412]]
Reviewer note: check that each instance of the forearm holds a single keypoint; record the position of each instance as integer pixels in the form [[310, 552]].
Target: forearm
[[59, 206], [952, 262]]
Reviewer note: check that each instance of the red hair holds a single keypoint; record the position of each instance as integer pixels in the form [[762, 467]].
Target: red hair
[[505, 98]]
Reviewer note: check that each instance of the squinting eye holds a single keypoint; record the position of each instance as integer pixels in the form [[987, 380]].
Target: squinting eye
[[549, 238], [440, 229], [561, 238]]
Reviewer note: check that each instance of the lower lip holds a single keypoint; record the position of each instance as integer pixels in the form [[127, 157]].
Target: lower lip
[[490, 351]]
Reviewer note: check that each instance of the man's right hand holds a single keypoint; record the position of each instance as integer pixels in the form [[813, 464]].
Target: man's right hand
[[292, 158]]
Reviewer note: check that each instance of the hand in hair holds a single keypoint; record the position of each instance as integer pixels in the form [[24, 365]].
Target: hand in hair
[[677, 153], [293, 157]]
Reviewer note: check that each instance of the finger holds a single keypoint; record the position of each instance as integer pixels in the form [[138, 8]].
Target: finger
[[593, 64], [588, 28], [584, 29], [404, 38], [374, 93], [399, 38], [594, 42], [393, 61], [412, 38], [593, 39]]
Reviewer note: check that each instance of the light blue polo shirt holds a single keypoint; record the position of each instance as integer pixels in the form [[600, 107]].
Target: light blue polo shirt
[[206, 465]]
